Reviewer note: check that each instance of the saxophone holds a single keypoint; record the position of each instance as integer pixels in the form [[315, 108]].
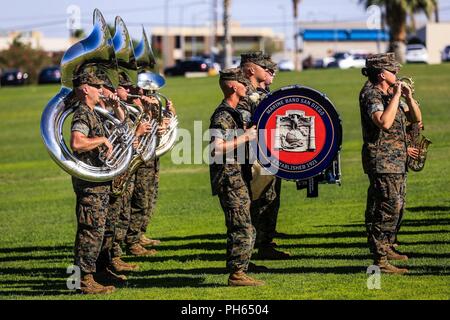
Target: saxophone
[[417, 140], [421, 143]]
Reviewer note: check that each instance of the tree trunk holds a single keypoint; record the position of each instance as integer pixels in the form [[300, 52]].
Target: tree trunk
[[396, 19], [297, 63], [227, 36]]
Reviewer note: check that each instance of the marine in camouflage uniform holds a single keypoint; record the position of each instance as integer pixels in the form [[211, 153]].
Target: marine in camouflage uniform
[[129, 220], [384, 156], [120, 205], [154, 188], [143, 201], [264, 210], [230, 180], [92, 198]]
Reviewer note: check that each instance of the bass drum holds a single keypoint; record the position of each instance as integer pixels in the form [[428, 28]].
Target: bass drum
[[299, 136]]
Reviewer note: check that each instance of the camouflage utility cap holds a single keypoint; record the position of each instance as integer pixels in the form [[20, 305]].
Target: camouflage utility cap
[[269, 63], [96, 74], [383, 61], [124, 80], [233, 74], [256, 57]]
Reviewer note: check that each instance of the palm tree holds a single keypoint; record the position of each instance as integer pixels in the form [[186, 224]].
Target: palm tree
[[226, 33], [428, 7], [397, 12]]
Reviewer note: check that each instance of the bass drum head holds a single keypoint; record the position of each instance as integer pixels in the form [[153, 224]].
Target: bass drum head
[[299, 133]]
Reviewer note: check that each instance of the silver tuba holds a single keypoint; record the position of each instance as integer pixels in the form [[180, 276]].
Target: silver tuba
[[127, 66], [96, 48], [151, 82]]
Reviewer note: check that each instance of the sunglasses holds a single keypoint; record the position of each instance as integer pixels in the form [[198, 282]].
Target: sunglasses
[[392, 71]]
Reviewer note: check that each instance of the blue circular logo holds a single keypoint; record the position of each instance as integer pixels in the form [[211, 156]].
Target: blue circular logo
[[300, 133]]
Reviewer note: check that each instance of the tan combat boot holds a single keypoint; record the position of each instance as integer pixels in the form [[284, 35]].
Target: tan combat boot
[[270, 253], [386, 267], [392, 254], [239, 279], [138, 250], [119, 265], [89, 286], [108, 277], [144, 241]]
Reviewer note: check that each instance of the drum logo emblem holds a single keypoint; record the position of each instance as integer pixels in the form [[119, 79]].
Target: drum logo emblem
[[295, 132]]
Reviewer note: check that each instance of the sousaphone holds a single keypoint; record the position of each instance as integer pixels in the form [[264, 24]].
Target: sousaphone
[[96, 48], [152, 82]]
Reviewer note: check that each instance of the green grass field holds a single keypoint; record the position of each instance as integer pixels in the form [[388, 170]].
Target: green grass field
[[324, 235]]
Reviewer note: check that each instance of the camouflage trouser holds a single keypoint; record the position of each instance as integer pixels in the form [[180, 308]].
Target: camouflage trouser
[[264, 213], [141, 200], [385, 205], [92, 217], [154, 186], [121, 208], [240, 231]]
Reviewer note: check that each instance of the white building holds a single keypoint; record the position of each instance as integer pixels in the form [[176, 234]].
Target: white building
[[37, 41], [435, 36]]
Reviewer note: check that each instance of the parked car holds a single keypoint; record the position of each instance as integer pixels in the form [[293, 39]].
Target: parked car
[[446, 54], [50, 75], [13, 77], [416, 53], [346, 60], [286, 65], [235, 62], [190, 65], [324, 62]]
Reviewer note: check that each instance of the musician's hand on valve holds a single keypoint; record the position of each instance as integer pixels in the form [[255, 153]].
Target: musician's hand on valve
[[109, 146], [413, 152], [143, 128], [162, 129], [113, 100], [406, 92], [135, 143], [166, 121], [150, 100], [171, 107], [250, 133], [397, 89]]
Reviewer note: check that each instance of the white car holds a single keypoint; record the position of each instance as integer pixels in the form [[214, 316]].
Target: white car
[[346, 60], [286, 65], [446, 54], [416, 53]]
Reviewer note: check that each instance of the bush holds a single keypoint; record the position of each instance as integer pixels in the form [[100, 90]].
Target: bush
[[23, 57]]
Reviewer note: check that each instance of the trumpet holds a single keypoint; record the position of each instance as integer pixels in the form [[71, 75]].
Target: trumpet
[[407, 82]]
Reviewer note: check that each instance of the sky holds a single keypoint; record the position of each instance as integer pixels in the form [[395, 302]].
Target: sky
[[51, 16]]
